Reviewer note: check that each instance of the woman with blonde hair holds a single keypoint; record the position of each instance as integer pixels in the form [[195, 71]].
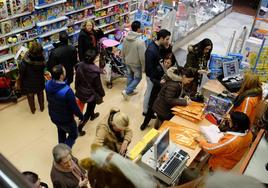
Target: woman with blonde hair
[[114, 132], [88, 38], [249, 95], [108, 169], [31, 71]]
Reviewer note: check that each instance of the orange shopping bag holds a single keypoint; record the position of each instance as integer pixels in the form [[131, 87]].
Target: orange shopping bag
[[80, 104]]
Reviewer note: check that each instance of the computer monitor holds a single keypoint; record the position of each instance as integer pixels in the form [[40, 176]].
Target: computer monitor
[[218, 106], [230, 68], [161, 144]]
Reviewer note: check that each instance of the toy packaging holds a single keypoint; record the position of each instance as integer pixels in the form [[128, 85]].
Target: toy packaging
[[6, 27], [3, 9], [251, 50], [49, 13]]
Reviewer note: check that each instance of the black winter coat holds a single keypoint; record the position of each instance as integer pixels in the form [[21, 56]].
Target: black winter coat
[[67, 56], [169, 96], [31, 71], [88, 84], [86, 42]]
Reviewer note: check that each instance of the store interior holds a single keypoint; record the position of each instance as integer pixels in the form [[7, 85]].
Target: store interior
[[27, 139]]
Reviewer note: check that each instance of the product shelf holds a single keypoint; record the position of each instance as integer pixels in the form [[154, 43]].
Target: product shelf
[[102, 26], [107, 6], [17, 31], [80, 21], [15, 44], [6, 57], [74, 33], [15, 16], [109, 31], [50, 4], [52, 32], [98, 18], [79, 10], [48, 22], [123, 14]]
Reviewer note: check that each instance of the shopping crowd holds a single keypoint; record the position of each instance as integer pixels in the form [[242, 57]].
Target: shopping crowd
[[167, 85]]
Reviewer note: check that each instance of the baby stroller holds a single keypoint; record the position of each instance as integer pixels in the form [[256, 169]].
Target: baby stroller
[[111, 62], [7, 91]]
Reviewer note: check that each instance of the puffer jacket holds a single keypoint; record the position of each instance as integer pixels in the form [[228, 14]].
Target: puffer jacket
[[133, 51], [247, 103], [169, 96], [106, 137], [228, 151], [88, 84], [31, 71]]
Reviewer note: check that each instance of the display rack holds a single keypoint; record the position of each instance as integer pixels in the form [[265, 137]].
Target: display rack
[[43, 21]]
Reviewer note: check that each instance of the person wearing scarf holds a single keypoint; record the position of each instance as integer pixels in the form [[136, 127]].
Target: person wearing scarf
[[65, 172], [249, 96]]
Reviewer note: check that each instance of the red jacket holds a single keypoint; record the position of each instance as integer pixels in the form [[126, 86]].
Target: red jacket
[[228, 151]]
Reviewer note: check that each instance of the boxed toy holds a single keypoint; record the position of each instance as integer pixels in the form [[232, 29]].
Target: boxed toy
[[6, 27], [3, 10]]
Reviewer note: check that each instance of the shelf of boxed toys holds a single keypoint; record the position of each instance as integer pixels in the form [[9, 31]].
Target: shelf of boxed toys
[[98, 18], [48, 22], [52, 32], [6, 57], [15, 16], [123, 2], [124, 14], [17, 31], [80, 21], [49, 5], [74, 33], [109, 31], [101, 26], [107, 6], [79, 10], [15, 44]]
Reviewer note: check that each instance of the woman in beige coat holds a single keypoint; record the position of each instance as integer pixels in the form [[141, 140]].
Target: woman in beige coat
[[114, 132]]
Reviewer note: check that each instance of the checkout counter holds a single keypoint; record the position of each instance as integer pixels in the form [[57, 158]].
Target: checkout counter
[[144, 152]]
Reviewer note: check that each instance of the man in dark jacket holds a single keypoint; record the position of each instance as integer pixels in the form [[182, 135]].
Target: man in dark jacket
[[63, 54], [153, 68], [62, 106]]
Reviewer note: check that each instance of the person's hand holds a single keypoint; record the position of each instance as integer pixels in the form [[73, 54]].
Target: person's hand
[[162, 81], [202, 71], [188, 100], [198, 139], [83, 183], [123, 147]]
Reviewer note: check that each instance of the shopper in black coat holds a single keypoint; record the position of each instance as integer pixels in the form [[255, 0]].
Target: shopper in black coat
[[88, 38], [172, 93], [88, 85], [31, 71], [63, 54]]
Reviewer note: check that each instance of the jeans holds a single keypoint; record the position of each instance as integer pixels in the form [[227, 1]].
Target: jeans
[[65, 128], [133, 78], [147, 94]]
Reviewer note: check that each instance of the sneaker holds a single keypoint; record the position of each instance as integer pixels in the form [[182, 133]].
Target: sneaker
[[124, 93], [142, 127], [95, 116], [82, 133], [133, 93]]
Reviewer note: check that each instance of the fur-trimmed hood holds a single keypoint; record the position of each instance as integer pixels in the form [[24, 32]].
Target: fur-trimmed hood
[[172, 74]]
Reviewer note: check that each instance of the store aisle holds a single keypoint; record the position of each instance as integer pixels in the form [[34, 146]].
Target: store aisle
[[27, 140]]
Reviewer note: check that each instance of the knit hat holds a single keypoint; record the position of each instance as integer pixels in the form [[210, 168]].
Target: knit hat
[[120, 120]]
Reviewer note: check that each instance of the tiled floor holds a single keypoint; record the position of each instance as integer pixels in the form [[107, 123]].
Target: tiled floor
[[26, 139]]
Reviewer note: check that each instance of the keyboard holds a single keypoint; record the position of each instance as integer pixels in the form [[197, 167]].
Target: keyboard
[[176, 161]]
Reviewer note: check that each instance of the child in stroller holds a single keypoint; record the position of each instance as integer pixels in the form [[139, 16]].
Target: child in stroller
[[111, 61]]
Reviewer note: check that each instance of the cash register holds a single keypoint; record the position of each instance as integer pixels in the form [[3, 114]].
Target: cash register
[[165, 160]]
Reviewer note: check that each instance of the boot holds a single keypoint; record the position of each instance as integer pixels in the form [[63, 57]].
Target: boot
[[40, 97], [30, 98], [80, 128], [94, 116]]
